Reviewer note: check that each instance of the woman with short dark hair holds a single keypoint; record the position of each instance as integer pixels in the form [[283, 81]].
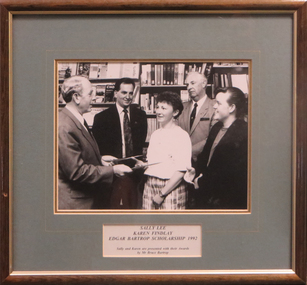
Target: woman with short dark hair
[[170, 148]]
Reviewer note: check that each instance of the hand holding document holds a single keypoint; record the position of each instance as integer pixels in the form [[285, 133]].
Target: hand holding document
[[121, 169], [143, 165], [110, 160], [107, 160], [115, 160]]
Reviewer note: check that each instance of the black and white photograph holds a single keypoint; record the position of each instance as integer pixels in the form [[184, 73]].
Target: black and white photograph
[[152, 136]]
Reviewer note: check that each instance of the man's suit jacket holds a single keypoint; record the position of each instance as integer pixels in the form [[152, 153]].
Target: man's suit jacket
[[82, 180], [107, 131], [224, 181], [201, 125]]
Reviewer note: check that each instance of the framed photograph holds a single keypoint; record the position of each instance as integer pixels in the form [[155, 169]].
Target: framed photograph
[[178, 83], [228, 206]]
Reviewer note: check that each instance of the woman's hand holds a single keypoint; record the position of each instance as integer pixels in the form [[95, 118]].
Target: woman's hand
[[157, 200]]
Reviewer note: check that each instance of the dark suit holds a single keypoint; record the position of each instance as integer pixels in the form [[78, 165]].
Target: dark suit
[[82, 180], [201, 125], [107, 132], [224, 181]]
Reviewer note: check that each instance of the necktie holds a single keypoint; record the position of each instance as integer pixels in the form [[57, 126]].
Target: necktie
[[127, 134], [193, 115], [87, 127]]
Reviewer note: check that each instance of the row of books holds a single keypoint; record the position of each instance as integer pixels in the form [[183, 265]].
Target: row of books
[[232, 80], [99, 70], [169, 73], [151, 73], [148, 101], [151, 127], [103, 93]]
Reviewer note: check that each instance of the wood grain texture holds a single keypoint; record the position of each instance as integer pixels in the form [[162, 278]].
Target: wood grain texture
[[56, 5], [4, 145], [156, 280], [301, 139], [301, 145]]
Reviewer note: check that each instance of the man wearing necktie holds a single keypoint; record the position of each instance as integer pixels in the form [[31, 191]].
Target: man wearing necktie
[[121, 131], [127, 134], [83, 178], [197, 114], [196, 118]]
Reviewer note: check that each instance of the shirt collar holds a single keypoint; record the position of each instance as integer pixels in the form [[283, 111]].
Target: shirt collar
[[75, 113], [201, 101], [120, 108]]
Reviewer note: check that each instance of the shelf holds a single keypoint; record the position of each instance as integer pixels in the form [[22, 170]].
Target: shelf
[[101, 80], [98, 105], [163, 86], [230, 69], [151, 115]]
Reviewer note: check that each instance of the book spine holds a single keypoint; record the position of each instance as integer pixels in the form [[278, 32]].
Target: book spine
[[176, 71], [152, 74], [172, 74], [168, 74], [158, 74], [164, 73]]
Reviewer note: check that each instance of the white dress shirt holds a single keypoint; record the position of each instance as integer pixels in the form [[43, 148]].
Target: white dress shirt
[[200, 103], [77, 115]]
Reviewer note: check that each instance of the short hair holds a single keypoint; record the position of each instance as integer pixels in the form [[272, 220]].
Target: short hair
[[201, 75], [172, 99], [71, 86], [237, 97], [125, 80]]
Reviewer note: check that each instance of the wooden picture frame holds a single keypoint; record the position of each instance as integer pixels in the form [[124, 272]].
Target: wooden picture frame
[[299, 11]]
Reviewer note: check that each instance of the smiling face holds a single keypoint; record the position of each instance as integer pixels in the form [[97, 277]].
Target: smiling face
[[222, 108], [196, 84], [124, 95], [165, 113]]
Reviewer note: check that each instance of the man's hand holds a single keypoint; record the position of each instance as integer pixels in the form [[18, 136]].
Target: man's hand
[[107, 160], [139, 164], [189, 175], [121, 169]]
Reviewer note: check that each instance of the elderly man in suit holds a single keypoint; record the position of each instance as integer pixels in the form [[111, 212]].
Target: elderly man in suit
[[197, 114], [196, 119], [83, 178], [121, 132], [221, 169]]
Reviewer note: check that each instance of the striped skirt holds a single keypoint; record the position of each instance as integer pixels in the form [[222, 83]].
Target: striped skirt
[[176, 200]]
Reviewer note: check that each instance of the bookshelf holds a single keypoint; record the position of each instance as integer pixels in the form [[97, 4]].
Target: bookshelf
[[151, 78], [158, 77]]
